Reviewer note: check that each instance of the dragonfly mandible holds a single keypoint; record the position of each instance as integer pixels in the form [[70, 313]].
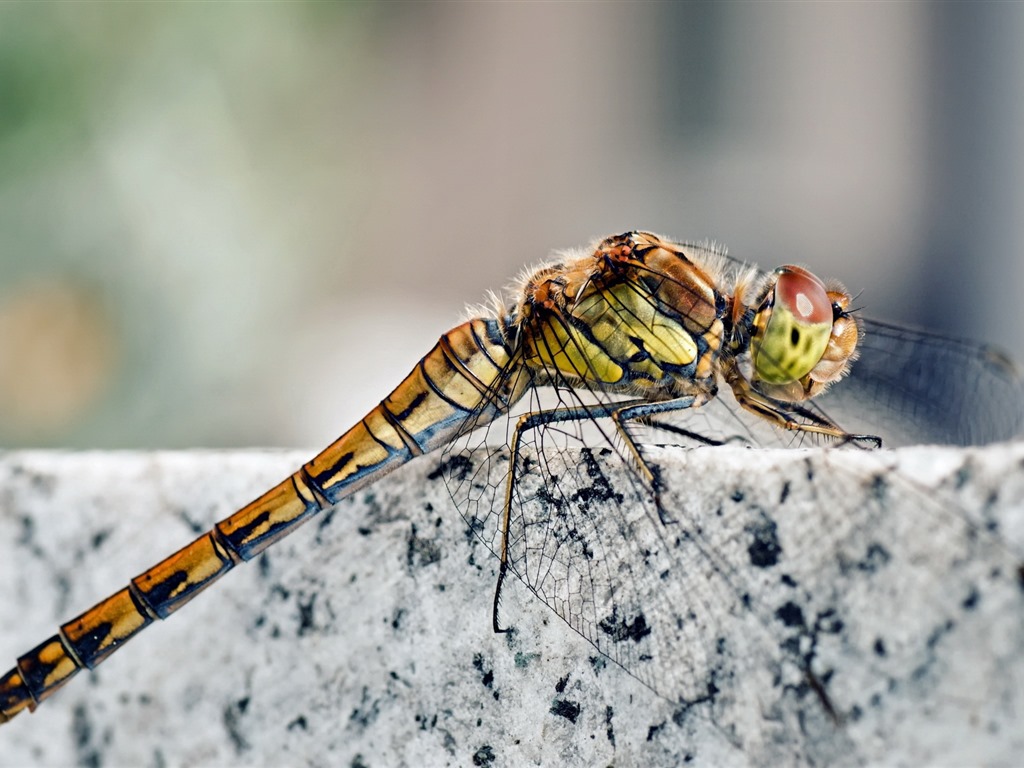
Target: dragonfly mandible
[[618, 336]]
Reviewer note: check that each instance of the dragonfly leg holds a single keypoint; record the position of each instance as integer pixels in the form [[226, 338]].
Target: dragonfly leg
[[627, 414], [688, 434], [813, 423], [527, 422]]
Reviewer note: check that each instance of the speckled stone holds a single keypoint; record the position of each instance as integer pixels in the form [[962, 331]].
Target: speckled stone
[[859, 607]]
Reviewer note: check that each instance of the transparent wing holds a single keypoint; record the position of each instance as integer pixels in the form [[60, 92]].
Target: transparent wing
[[910, 386], [826, 593], [715, 584], [585, 537], [907, 387], [596, 552]]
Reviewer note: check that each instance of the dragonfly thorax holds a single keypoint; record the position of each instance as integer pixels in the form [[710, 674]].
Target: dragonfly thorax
[[632, 315]]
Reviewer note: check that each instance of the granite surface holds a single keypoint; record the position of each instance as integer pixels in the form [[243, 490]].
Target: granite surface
[[851, 607]]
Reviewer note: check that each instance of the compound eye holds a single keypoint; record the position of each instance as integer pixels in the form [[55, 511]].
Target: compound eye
[[797, 330], [803, 294]]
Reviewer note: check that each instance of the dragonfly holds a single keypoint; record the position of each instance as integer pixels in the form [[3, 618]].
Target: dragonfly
[[594, 351]]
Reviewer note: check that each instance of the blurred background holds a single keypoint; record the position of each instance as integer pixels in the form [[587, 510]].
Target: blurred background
[[241, 224]]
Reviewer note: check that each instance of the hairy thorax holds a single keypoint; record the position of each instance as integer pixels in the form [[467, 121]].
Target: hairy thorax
[[632, 315]]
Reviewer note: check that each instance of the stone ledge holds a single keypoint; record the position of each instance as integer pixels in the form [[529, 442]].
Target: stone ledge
[[365, 639]]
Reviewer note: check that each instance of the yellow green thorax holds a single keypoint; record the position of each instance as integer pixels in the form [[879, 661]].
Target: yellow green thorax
[[581, 325], [625, 322]]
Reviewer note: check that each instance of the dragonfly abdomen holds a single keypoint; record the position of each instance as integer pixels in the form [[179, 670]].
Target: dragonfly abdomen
[[464, 378], [90, 638]]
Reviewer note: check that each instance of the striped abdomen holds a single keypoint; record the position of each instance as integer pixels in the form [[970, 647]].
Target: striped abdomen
[[453, 382]]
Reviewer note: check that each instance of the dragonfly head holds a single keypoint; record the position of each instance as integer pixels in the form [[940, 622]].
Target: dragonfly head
[[802, 339]]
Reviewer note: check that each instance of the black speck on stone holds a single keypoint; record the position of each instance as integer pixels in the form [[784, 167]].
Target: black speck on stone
[[367, 711], [486, 675], [484, 755], [306, 615], [784, 494], [457, 468], [939, 632], [971, 601], [194, 525], [27, 530], [420, 552], [829, 623], [963, 476], [560, 685], [99, 537], [326, 518], [82, 730], [279, 590], [879, 647], [789, 613], [358, 762], [879, 487], [874, 558], [232, 717], [299, 722], [430, 722], [570, 710], [623, 629], [791, 645], [654, 730], [765, 549]]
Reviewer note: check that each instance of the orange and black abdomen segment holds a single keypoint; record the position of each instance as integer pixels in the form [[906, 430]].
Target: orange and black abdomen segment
[[465, 376], [452, 383], [90, 638]]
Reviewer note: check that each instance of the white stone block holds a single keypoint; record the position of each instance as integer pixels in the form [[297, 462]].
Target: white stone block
[[888, 629]]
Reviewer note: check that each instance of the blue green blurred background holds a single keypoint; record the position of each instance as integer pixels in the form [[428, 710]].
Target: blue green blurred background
[[236, 224]]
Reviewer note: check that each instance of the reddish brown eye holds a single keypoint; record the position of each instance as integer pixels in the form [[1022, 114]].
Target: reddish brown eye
[[796, 326], [803, 294]]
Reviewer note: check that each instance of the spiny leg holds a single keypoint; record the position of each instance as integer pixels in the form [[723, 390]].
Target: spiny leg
[[640, 413], [772, 411], [687, 433], [527, 422]]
